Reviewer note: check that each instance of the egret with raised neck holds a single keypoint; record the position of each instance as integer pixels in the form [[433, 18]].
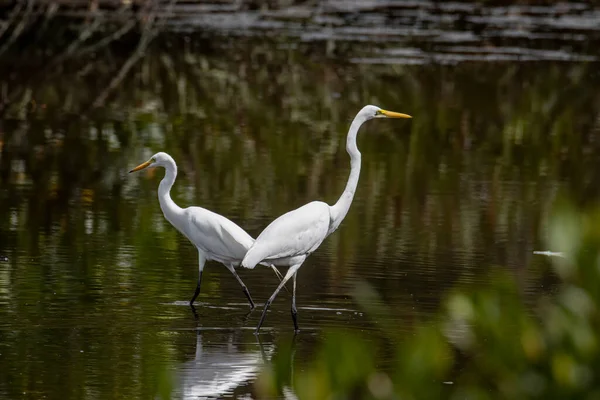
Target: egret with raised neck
[[292, 237]]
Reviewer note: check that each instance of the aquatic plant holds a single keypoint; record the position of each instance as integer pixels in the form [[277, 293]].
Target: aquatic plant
[[486, 343]]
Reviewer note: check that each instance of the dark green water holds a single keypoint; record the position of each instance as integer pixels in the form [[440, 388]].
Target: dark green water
[[94, 290]]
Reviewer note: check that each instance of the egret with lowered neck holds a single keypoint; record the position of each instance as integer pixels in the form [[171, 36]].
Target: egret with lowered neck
[[216, 237], [292, 237]]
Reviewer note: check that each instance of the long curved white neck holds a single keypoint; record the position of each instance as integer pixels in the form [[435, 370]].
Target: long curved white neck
[[171, 210], [340, 209]]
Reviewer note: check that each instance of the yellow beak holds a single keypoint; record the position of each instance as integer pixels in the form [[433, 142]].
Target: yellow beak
[[392, 114], [141, 166]]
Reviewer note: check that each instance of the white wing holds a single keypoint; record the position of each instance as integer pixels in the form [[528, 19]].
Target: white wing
[[298, 232], [220, 238]]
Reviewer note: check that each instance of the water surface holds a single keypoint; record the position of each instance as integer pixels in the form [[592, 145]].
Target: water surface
[[94, 282]]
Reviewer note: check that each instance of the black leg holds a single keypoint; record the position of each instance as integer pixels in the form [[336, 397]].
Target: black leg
[[197, 292], [264, 313], [294, 311], [244, 288], [288, 275], [247, 293], [194, 312]]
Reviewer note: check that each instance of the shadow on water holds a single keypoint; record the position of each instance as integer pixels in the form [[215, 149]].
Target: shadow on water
[[94, 282]]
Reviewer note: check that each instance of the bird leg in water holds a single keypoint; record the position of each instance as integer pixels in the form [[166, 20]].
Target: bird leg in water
[[244, 288], [279, 276], [294, 311], [247, 293], [263, 355], [287, 276], [197, 292], [194, 312]]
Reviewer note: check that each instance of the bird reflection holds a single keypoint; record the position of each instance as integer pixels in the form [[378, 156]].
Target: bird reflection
[[221, 364], [287, 391], [197, 317]]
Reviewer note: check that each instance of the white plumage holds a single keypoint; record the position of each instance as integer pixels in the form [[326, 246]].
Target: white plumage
[[292, 237], [295, 233], [216, 237]]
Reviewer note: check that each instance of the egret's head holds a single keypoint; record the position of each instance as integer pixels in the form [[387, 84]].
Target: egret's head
[[157, 160], [370, 112]]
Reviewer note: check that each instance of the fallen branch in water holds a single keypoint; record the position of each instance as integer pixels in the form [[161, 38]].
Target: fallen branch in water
[[109, 39], [83, 36], [148, 34], [15, 13], [20, 27], [151, 29]]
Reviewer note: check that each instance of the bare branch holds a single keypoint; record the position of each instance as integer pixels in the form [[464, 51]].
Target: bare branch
[[149, 32], [109, 39], [19, 28], [14, 15]]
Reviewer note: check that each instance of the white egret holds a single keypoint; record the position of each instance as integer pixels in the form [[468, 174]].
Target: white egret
[[216, 237], [292, 237]]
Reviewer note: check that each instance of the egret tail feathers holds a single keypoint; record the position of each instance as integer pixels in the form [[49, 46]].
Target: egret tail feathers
[[251, 259]]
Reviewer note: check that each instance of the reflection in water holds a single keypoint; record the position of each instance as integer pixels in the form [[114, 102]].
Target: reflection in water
[[550, 253], [221, 366], [258, 128]]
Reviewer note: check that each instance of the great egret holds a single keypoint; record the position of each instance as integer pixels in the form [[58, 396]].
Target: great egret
[[216, 237], [292, 237]]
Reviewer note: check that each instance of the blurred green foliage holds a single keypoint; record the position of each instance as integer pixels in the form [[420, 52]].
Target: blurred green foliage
[[485, 344], [257, 128]]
